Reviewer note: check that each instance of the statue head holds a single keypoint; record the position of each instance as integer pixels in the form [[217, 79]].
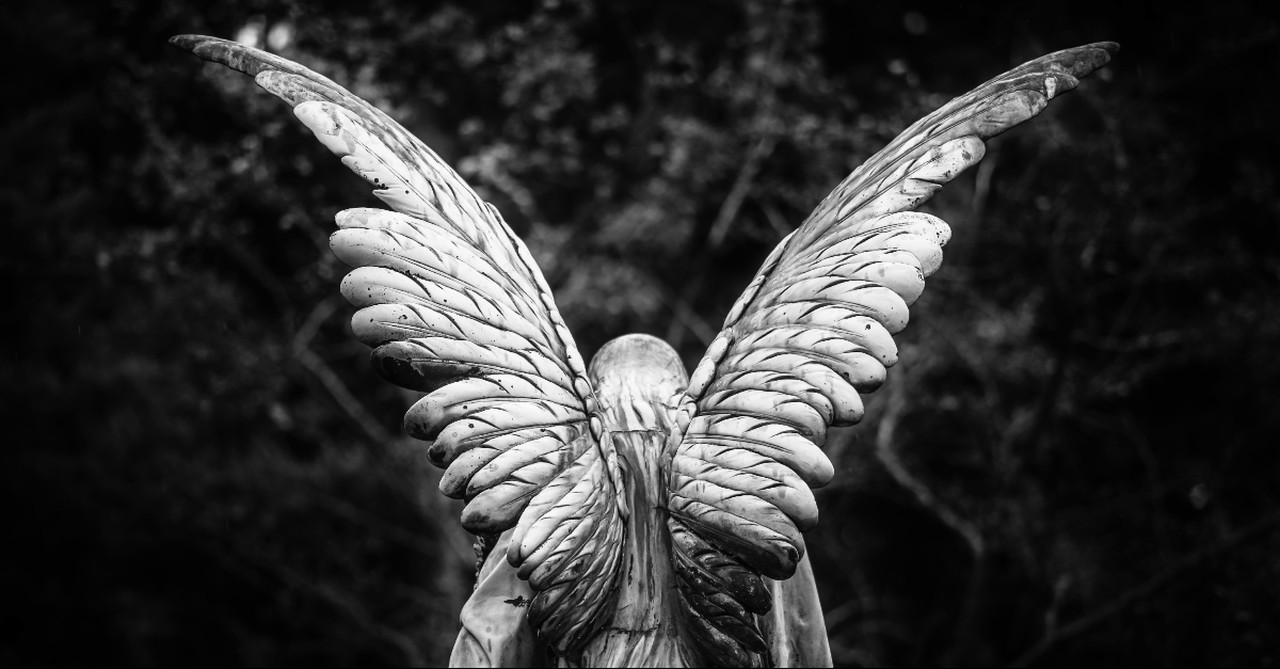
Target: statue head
[[637, 366]]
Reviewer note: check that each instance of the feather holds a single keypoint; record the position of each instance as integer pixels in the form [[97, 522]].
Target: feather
[[569, 547], [455, 306], [815, 327]]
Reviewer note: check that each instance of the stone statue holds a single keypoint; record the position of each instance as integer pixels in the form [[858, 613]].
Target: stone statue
[[632, 514]]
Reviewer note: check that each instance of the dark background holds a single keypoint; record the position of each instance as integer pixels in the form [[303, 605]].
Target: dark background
[[1076, 462]]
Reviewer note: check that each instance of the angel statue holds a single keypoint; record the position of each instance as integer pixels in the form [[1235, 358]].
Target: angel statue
[[630, 513]]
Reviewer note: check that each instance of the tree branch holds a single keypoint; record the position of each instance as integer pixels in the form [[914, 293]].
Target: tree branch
[[975, 589], [341, 601], [346, 400], [741, 186], [1178, 567], [888, 456]]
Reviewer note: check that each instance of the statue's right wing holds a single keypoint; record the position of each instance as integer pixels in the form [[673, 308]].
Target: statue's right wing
[[454, 306], [813, 331]]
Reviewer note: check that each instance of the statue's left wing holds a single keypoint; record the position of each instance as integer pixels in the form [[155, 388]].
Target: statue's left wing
[[455, 307], [810, 334]]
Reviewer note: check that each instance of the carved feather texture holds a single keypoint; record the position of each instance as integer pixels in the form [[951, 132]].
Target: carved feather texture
[[454, 306], [569, 547], [726, 594], [814, 329]]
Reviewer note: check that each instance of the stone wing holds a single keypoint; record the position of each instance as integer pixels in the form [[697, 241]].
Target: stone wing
[[810, 334], [455, 307]]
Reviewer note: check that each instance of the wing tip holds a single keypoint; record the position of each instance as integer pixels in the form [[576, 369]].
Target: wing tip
[[1083, 60], [186, 42], [234, 55]]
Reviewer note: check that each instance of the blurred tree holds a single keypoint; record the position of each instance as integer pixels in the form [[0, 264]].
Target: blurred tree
[[1075, 463]]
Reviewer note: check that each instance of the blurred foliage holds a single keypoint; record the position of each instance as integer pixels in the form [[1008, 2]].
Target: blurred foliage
[[1076, 461]]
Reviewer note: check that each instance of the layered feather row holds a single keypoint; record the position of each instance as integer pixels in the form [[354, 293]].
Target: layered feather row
[[810, 335], [455, 307]]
